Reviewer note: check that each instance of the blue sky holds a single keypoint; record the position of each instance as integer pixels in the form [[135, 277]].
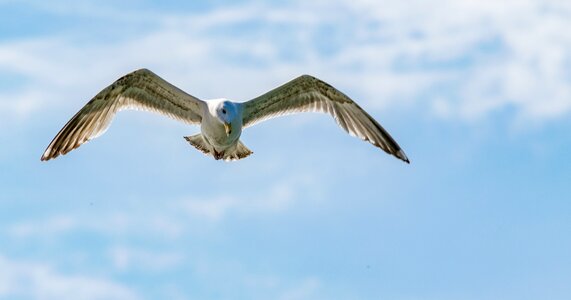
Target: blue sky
[[478, 93]]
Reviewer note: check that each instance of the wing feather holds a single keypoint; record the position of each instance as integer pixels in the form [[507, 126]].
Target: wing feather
[[309, 94], [139, 90]]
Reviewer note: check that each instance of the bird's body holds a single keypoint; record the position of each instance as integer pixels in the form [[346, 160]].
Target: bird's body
[[214, 136], [215, 132], [221, 120]]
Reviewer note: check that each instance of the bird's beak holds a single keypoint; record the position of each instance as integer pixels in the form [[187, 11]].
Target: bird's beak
[[228, 128]]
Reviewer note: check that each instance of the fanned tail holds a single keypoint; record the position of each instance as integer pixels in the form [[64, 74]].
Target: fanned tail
[[199, 143], [235, 152], [239, 152]]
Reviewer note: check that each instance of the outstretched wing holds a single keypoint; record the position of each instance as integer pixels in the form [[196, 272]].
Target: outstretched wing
[[139, 90], [309, 94]]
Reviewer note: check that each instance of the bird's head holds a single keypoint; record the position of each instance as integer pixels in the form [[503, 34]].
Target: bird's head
[[227, 112]]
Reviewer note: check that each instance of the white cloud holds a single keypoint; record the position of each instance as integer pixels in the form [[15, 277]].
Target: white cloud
[[24, 280], [126, 258], [116, 224], [500, 54], [171, 219], [53, 226], [213, 209], [240, 281], [277, 198], [302, 288], [305, 289], [465, 59]]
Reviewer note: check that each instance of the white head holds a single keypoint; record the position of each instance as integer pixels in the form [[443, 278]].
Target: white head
[[227, 113]]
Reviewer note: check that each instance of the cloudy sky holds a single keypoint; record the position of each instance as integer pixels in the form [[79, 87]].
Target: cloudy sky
[[478, 94]]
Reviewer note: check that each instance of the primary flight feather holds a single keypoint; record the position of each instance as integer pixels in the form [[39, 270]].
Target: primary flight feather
[[221, 120]]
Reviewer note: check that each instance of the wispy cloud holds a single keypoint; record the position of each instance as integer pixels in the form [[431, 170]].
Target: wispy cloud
[[175, 218], [274, 199], [248, 284], [26, 280], [126, 258], [306, 289], [463, 60]]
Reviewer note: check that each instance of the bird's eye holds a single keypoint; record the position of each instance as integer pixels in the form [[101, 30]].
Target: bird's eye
[[224, 111]]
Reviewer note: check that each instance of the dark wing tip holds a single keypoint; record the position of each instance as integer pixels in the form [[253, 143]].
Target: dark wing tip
[[400, 154], [47, 156], [55, 151]]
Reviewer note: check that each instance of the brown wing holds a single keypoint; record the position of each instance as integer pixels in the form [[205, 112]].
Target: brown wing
[[309, 94], [139, 90]]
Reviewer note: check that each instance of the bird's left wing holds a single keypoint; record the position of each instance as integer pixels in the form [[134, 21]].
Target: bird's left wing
[[139, 90], [309, 94]]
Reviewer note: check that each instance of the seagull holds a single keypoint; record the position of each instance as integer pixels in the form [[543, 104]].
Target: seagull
[[221, 120]]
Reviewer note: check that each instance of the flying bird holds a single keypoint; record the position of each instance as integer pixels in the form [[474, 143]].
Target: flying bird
[[221, 121]]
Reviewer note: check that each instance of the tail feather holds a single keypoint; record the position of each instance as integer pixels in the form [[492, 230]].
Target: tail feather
[[199, 143], [235, 152], [239, 152]]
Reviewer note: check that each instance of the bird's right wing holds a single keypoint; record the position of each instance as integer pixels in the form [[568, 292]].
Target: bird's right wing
[[139, 90]]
